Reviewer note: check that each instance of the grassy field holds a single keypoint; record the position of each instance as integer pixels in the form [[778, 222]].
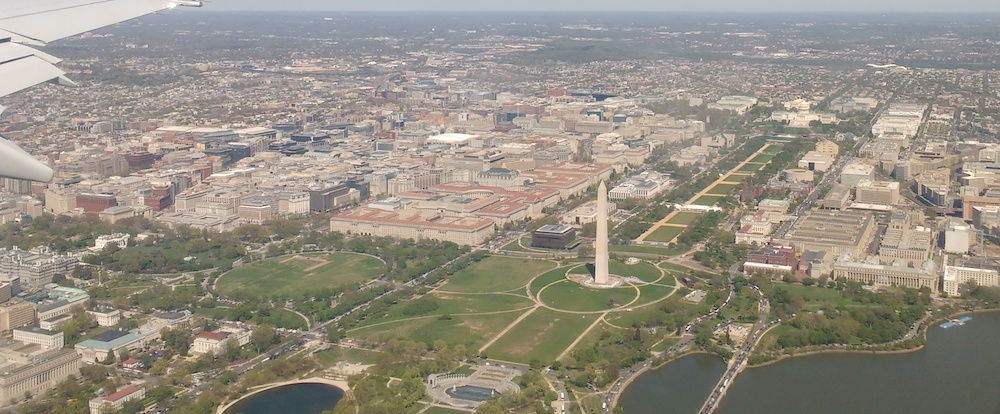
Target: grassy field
[[553, 275], [724, 189], [441, 410], [636, 248], [331, 356], [543, 335], [708, 200], [497, 274], [762, 158], [736, 177], [665, 344], [472, 331], [652, 293], [573, 297], [593, 336], [665, 234], [452, 304], [684, 217], [293, 275], [750, 167], [641, 270], [773, 149]]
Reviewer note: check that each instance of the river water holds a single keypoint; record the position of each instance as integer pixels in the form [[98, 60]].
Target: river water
[[957, 372], [305, 398]]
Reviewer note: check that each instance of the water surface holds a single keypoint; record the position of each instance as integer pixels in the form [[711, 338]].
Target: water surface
[[957, 372], [305, 398]]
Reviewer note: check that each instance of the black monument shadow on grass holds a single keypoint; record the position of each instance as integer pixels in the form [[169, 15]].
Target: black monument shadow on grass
[[591, 269]]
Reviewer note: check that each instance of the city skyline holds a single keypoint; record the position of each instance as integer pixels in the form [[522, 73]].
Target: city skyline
[[724, 6]]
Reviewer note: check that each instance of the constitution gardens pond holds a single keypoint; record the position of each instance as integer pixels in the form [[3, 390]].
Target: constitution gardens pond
[[954, 373]]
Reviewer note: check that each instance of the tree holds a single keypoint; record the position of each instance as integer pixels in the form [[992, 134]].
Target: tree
[[177, 339], [262, 337], [232, 349]]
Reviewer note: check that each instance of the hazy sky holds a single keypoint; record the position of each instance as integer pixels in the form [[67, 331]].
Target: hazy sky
[[633, 5]]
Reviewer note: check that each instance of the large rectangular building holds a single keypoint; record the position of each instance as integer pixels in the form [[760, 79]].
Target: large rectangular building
[[835, 232], [410, 224], [883, 275], [884, 193], [955, 276], [33, 370], [35, 267], [553, 236]]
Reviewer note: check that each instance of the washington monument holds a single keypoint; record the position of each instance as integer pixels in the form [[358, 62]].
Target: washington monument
[[601, 247]]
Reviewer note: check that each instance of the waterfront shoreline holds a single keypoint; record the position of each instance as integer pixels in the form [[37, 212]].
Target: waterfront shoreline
[[644, 370], [874, 351], [342, 385]]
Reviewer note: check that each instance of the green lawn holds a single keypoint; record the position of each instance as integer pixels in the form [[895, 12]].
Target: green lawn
[[283, 318], [736, 177], [750, 167], [497, 274], [440, 410], [472, 331], [773, 149], [665, 234], [708, 200], [593, 336], [290, 276], [724, 189], [515, 247], [554, 275], [638, 248], [543, 335], [335, 354], [653, 293], [762, 158], [815, 296], [574, 297], [641, 270], [684, 217], [665, 344], [452, 304]]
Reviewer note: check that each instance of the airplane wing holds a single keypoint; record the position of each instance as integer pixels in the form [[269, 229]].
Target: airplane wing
[[26, 23]]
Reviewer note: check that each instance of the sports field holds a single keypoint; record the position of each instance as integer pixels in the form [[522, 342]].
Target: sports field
[[291, 276]]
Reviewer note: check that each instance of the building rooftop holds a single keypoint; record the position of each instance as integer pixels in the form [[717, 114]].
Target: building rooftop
[[554, 229]]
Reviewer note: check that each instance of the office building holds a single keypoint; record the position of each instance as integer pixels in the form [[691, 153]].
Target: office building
[[886, 275], [884, 193], [835, 232], [32, 369], [955, 277], [16, 313]]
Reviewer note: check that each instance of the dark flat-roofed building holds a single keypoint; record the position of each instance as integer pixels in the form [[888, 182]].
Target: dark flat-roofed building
[[553, 236]]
